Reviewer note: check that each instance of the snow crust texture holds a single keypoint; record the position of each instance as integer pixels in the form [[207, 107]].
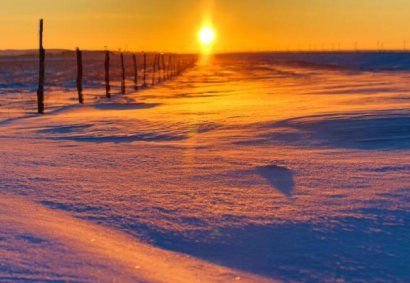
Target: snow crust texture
[[254, 167]]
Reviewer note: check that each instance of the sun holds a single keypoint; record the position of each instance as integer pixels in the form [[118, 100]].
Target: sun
[[206, 35]]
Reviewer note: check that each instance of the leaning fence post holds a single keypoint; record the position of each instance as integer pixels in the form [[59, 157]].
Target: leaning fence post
[[135, 72], [122, 74], [107, 74], [40, 90], [145, 70], [80, 76]]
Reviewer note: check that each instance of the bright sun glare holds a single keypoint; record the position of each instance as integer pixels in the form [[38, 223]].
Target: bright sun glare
[[206, 35]]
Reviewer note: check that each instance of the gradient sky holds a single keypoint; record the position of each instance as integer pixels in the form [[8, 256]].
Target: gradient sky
[[172, 25]]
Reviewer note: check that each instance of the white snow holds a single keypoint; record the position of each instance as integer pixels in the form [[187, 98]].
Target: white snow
[[39, 244], [284, 170]]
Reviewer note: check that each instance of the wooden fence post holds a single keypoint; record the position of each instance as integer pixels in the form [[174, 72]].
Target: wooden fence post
[[40, 90], [122, 74], [174, 67], [145, 70], [159, 67], [158, 73], [107, 74], [169, 66], [154, 68], [164, 77], [135, 72], [80, 76]]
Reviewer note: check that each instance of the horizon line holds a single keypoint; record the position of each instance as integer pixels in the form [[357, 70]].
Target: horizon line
[[398, 50]]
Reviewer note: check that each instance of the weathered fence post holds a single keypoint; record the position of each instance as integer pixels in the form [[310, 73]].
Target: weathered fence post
[[122, 74], [135, 72], [159, 68], [164, 76], [154, 68], [169, 69], [145, 70], [80, 76], [158, 73], [40, 90], [107, 74], [174, 63], [171, 66]]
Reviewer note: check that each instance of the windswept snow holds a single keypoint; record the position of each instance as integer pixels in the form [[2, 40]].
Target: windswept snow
[[43, 245], [284, 170]]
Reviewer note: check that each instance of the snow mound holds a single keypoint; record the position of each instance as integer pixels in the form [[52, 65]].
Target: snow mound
[[280, 178]]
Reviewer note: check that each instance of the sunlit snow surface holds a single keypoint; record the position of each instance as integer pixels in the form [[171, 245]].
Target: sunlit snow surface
[[252, 165]]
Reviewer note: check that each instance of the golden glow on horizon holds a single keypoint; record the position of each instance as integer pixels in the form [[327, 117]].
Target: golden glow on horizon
[[172, 26]]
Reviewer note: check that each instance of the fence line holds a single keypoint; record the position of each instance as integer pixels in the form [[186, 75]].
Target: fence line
[[159, 73]]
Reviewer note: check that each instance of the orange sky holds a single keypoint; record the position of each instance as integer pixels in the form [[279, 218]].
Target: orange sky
[[172, 25]]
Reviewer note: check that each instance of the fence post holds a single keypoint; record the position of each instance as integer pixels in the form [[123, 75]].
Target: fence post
[[107, 74], [159, 68], [164, 77], [145, 70], [40, 90], [80, 76], [154, 68], [122, 74], [135, 72], [174, 67], [169, 68]]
